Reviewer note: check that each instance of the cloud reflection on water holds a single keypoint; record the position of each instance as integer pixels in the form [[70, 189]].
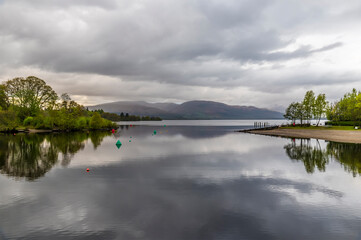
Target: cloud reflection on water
[[170, 186]]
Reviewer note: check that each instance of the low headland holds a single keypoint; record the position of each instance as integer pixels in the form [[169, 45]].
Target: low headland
[[345, 134], [343, 125], [30, 105]]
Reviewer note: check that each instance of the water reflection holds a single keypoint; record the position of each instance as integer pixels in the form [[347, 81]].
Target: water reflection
[[348, 154], [313, 155], [30, 156], [172, 186], [193, 132]]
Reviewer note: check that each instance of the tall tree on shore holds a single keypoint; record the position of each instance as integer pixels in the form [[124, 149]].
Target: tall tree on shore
[[295, 111], [351, 105], [310, 107], [300, 112], [308, 104], [291, 112], [319, 107], [30, 95], [4, 100], [358, 107]]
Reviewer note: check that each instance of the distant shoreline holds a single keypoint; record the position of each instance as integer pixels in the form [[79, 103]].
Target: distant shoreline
[[344, 136]]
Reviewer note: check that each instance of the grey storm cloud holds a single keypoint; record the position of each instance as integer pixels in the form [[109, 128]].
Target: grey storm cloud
[[190, 43]]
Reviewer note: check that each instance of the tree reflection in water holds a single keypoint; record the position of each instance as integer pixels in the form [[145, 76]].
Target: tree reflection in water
[[348, 154], [30, 156], [313, 155]]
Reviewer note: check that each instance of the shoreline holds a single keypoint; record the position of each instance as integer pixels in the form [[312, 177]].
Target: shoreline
[[344, 136], [34, 130]]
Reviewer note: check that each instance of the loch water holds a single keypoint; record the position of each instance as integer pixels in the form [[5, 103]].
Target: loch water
[[183, 181]]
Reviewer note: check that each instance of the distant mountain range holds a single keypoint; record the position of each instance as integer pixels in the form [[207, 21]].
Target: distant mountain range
[[188, 110]]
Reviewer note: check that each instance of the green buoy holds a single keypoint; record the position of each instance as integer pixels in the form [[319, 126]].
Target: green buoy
[[155, 132], [118, 144]]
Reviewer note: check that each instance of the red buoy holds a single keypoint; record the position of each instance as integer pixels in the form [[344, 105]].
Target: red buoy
[[87, 169], [113, 131]]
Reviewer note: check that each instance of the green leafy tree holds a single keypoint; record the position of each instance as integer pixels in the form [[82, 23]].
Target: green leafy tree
[[330, 111], [4, 100], [319, 107], [96, 121], [30, 95], [308, 104], [69, 113], [81, 123], [291, 112], [300, 112], [8, 120], [32, 102], [346, 109]]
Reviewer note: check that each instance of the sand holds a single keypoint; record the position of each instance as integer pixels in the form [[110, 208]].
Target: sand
[[345, 136]]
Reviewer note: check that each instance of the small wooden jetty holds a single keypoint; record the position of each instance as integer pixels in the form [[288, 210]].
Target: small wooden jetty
[[260, 126]]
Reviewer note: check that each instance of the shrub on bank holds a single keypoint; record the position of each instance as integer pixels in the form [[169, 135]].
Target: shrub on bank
[[28, 121], [8, 120], [65, 121], [108, 124], [299, 125], [96, 121], [81, 123]]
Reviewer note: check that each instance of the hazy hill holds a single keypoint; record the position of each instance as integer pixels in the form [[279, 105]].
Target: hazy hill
[[139, 108], [216, 110], [189, 110]]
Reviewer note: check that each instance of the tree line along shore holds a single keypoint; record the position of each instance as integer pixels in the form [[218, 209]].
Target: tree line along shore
[[29, 103], [343, 125], [344, 112], [125, 117]]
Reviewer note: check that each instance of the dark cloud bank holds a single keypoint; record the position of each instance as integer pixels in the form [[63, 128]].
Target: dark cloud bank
[[210, 44]]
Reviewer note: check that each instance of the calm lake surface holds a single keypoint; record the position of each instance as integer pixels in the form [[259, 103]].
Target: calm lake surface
[[187, 181]]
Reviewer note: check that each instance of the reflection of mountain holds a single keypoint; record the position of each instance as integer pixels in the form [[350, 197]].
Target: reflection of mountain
[[192, 132], [313, 155], [32, 155]]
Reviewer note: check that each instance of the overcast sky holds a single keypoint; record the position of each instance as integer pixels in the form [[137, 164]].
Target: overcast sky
[[265, 53]]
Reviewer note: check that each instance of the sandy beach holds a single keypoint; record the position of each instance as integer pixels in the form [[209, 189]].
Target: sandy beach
[[345, 136]]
